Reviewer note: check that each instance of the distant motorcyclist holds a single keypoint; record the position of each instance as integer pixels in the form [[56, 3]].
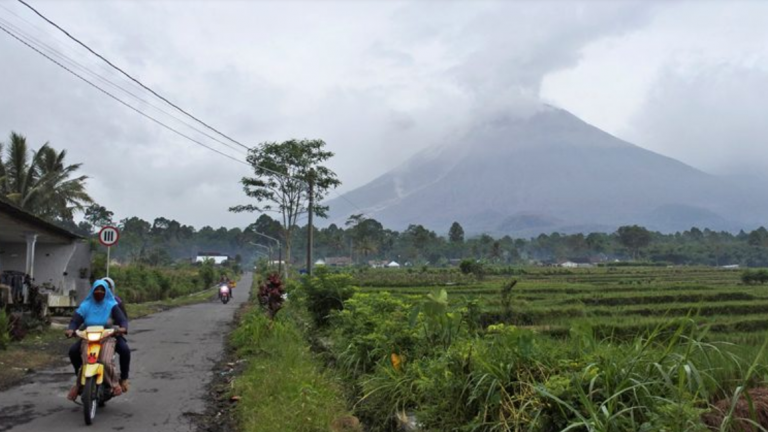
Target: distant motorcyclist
[[96, 310], [121, 346], [224, 280]]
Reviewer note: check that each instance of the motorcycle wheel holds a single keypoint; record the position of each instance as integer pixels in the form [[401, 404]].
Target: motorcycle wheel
[[90, 400], [225, 299]]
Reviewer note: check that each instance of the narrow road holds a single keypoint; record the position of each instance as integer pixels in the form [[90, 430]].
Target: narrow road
[[173, 354]]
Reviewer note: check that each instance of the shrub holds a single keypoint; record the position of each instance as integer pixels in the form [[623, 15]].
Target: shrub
[[473, 267], [750, 277], [370, 328], [325, 292]]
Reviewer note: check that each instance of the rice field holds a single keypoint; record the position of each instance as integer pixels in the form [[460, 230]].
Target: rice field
[[618, 302]]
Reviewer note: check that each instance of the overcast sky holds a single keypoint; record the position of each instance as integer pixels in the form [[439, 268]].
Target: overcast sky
[[377, 81]]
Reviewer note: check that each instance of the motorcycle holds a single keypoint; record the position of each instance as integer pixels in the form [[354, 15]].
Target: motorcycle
[[224, 293], [98, 374]]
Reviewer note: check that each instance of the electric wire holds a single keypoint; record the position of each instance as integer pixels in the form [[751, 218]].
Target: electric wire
[[117, 99], [129, 76]]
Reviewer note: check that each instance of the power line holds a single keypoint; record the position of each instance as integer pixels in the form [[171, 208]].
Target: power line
[[154, 93], [4, 29], [284, 175], [277, 173], [85, 69], [344, 197], [129, 76]]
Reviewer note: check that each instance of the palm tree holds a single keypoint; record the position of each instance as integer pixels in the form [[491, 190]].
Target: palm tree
[[42, 184], [61, 196], [18, 175]]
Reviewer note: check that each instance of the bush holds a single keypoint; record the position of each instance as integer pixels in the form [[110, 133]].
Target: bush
[[751, 277], [370, 328], [473, 267], [326, 292]]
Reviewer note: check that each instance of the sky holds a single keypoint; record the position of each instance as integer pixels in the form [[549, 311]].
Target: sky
[[377, 81]]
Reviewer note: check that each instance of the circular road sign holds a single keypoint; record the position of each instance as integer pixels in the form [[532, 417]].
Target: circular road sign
[[108, 236]]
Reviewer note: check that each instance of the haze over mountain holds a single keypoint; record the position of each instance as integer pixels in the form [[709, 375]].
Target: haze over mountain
[[549, 171]]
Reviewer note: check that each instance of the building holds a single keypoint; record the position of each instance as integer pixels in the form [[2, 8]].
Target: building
[[393, 264], [576, 263], [216, 257], [54, 259], [378, 263]]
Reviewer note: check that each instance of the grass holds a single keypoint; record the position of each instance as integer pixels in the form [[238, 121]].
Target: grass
[[285, 387]]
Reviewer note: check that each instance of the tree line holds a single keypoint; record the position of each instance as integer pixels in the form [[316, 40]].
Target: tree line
[[43, 183]]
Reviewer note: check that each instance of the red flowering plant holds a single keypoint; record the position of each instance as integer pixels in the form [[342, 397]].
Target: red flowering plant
[[272, 294]]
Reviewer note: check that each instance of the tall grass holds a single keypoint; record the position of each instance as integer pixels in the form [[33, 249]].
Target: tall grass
[[284, 387], [512, 379]]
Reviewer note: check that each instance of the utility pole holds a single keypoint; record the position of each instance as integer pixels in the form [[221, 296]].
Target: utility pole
[[310, 228]]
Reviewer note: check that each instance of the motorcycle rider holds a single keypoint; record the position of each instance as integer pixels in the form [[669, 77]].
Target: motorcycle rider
[[121, 346], [95, 310], [224, 280]]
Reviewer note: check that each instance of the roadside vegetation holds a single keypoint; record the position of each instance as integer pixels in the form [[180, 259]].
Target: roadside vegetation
[[604, 349], [285, 385]]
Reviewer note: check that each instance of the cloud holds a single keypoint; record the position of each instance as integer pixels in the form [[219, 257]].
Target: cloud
[[378, 81], [709, 115]]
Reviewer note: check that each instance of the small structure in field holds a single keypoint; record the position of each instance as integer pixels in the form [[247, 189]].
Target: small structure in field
[[393, 264]]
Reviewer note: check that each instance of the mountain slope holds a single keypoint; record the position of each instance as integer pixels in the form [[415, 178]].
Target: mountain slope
[[550, 171]]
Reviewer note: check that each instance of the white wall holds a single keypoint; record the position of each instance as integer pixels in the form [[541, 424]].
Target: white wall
[[52, 261]]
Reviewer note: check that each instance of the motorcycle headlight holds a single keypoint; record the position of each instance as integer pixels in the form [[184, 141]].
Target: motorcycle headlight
[[94, 337]]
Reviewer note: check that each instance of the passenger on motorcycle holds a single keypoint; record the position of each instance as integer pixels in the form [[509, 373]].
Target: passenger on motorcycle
[[96, 310], [224, 280], [121, 346]]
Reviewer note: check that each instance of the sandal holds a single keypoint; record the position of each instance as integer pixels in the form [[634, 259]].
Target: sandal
[[125, 385], [117, 390]]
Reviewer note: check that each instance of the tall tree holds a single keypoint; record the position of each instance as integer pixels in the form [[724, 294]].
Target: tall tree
[[634, 238], [282, 172], [456, 233], [367, 234]]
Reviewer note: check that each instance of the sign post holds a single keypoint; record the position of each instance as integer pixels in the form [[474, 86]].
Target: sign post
[[108, 236]]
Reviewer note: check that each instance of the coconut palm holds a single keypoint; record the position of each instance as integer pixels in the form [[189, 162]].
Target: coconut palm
[[41, 184]]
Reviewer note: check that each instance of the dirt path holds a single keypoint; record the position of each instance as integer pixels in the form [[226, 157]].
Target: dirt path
[[173, 353]]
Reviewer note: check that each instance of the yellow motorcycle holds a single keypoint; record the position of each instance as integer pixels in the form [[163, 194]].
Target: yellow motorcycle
[[98, 375]]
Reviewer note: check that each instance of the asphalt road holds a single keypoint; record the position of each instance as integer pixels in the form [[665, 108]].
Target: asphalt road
[[173, 356]]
